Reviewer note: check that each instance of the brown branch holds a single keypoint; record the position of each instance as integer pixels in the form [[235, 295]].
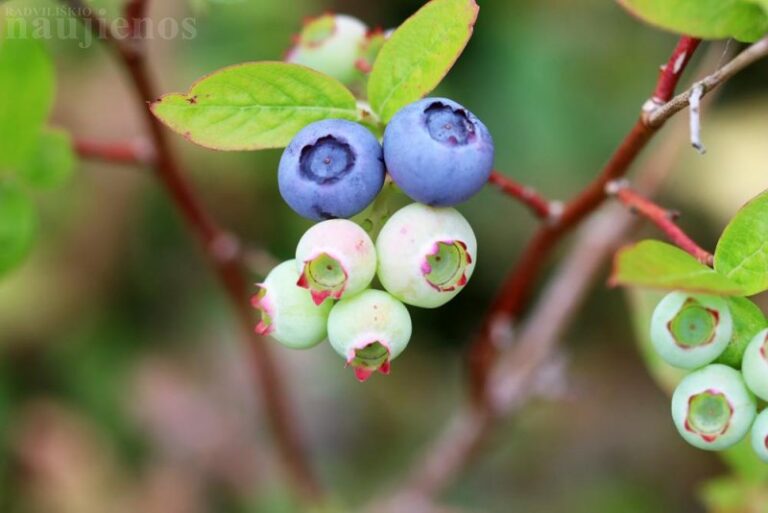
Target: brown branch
[[755, 52], [540, 207], [664, 219], [222, 250], [519, 284]]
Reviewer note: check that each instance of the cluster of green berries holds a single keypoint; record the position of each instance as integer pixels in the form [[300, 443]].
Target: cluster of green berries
[[715, 406], [423, 257]]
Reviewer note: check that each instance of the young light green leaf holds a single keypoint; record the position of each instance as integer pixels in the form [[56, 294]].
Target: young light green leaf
[[742, 252], [255, 106], [26, 89], [51, 162], [744, 20], [659, 265], [18, 223], [419, 54]]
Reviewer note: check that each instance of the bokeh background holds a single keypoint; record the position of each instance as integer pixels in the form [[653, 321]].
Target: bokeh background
[[123, 387]]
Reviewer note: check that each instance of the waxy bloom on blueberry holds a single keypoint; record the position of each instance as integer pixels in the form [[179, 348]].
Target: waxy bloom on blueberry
[[335, 259], [760, 436], [426, 255], [755, 365], [369, 330], [712, 407], [331, 44], [332, 168], [438, 152], [288, 313], [691, 330]]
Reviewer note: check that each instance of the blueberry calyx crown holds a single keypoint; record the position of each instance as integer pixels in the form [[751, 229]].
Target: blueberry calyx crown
[[326, 161], [448, 125], [445, 266], [694, 325], [324, 276], [371, 357], [709, 415]]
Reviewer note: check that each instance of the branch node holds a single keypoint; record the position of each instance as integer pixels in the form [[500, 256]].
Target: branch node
[[613, 187], [225, 248], [555, 212]]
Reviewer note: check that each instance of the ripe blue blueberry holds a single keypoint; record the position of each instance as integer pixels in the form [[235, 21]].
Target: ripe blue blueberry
[[335, 259], [755, 365], [369, 330], [691, 330], [331, 44], [760, 436], [712, 408], [438, 152], [426, 255], [332, 168], [288, 313]]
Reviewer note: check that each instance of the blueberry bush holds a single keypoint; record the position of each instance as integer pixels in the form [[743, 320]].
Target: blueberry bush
[[378, 167]]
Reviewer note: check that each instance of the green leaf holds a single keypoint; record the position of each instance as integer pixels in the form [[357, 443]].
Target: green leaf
[[255, 106], [26, 89], [659, 265], [742, 252], [419, 54], [18, 224], [748, 320], [708, 19], [52, 161]]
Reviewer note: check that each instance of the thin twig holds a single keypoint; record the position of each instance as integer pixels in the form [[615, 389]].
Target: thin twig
[[749, 56], [540, 207], [661, 217], [223, 251]]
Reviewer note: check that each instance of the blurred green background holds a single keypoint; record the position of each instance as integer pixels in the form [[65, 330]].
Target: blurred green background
[[122, 384]]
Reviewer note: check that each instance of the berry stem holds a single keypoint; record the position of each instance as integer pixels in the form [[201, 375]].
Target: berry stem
[[661, 217], [540, 207], [517, 287], [223, 253]]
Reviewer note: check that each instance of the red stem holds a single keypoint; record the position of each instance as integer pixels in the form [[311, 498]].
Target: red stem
[[223, 251], [527, 196], [673, 69], [664, 219], [123, 152], [519, 284]]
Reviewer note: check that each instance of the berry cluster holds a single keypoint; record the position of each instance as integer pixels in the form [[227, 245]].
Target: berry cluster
[[439, 154], [714, 406]]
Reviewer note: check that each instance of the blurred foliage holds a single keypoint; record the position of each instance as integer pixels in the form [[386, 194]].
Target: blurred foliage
[[122, 385]]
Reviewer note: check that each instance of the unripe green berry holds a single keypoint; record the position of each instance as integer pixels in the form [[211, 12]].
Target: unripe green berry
[[755, 365], [331, 44], [288, 313], [426, 255], [690, 330], [760, 436], [712, 408], [369, 331], [335, 259]]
